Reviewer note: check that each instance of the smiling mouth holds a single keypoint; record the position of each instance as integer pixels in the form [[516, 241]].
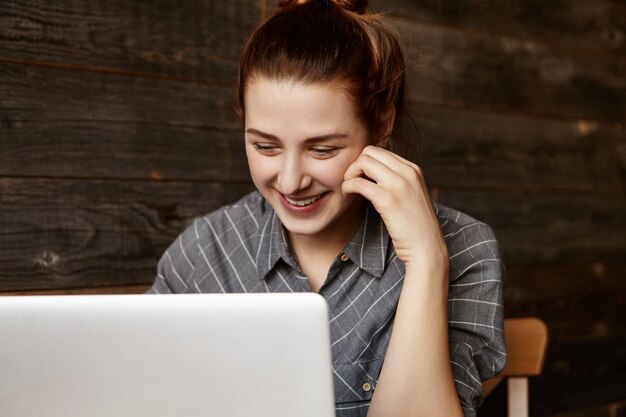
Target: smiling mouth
[[305, 202]]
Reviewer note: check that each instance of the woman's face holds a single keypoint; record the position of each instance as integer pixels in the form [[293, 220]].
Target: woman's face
[[300, 139]]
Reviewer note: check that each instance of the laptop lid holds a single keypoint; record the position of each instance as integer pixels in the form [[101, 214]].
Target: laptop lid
[[189, 355]]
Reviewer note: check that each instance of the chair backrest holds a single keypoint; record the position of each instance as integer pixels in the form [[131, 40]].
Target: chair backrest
[[526, 343]]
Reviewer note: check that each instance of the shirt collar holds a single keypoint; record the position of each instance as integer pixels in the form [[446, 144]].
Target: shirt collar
[[272, 243], [367, 248]]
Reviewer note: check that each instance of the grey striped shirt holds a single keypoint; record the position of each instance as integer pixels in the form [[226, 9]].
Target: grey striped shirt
[[242, 248]]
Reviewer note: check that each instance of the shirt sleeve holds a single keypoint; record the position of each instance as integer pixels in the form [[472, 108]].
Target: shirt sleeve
[[175, 268], [475, 312]]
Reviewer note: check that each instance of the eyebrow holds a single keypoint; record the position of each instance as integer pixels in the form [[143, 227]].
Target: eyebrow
[[321, 138]]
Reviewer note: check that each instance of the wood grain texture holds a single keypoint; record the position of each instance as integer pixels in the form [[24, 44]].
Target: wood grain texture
[[191, 39], [80, 124], [77, 233], [463, 148], [613, 409], [540, 229], [598, 26], [457, 68], [580, 374], [75, 124], [80, 212], [495, 406], [577, 299]]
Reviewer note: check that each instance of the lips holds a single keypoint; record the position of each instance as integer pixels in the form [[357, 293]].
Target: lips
[[303, 206]]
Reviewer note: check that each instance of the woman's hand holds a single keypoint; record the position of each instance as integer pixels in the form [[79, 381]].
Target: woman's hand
[[416, 378], [397, 189]]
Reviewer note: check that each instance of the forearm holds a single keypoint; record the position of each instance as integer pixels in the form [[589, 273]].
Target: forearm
[[416, 379]]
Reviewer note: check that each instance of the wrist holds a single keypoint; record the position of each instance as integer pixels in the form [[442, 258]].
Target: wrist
[[432, 261], [429, 280]]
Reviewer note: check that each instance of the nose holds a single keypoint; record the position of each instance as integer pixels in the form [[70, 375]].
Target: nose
[[293, 176]]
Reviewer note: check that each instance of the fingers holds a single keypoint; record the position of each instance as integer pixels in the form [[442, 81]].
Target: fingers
[[366, 188], [383, 167], [397, 190], [383, 178], [374, 169], [388, 157]]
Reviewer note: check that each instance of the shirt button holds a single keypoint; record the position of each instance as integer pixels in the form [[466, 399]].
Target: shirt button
[[344, 257], [367, 387]]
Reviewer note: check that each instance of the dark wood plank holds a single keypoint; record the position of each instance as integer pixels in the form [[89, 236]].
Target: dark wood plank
[[495, 406], [580, 374], [612, 409], [598, 25], [577, 300], [127, 289], [59, 234], [192, 39], [583, 378], [64, 225], [460, 68], [462, 148], [475, 68], [541, 229], [74, 124]]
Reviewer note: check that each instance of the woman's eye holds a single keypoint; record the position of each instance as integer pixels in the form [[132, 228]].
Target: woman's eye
[[324, 152], [265, 149]]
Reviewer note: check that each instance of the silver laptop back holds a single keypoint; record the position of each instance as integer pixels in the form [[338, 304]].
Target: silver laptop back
[[165, 356]]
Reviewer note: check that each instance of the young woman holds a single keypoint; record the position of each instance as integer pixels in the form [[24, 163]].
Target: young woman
[[414, 288]]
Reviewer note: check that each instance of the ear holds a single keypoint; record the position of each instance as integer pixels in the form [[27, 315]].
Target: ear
[[386, 126]]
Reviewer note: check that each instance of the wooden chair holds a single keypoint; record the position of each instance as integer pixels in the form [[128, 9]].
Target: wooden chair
[[526, 342]]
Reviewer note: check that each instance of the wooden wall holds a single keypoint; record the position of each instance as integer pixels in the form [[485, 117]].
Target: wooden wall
[[116, 129]]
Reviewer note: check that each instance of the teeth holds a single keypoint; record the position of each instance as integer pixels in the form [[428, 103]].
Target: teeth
[[302, 203]]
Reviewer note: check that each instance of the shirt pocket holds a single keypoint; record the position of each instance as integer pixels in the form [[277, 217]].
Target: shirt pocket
[[356, 382]]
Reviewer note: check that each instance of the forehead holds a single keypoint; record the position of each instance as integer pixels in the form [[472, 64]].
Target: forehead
[[298, 108]]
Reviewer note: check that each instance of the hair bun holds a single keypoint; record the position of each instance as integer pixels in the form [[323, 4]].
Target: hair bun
[[356, 6]]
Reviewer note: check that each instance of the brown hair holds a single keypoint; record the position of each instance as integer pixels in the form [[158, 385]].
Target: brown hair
[[332, 41]]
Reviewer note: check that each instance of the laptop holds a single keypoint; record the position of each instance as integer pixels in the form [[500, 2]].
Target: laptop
[[230, 355]]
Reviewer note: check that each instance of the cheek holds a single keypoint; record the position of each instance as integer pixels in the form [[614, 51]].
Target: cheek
[[331, 173], [260, 168]]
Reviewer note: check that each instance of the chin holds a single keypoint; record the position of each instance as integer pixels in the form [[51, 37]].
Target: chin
[[302, 227]]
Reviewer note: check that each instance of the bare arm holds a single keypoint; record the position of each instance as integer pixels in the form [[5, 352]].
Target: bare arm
[[416, 378]]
